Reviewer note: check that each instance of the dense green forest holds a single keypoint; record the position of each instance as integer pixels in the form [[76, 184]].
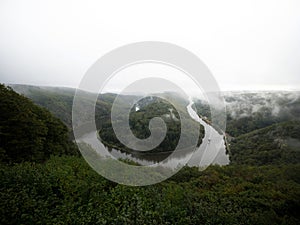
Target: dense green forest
[[65, 190], [57, 100], [275, 144], [43, 181], [149, 108], [29, 132]]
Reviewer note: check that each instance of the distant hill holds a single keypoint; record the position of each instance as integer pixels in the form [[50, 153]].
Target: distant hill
[[59, 101], [29, 132], [275, 144], [247, 114], [248, 111]]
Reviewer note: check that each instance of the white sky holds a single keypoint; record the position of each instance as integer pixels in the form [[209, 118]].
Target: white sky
[[248, 45], [153, 73]]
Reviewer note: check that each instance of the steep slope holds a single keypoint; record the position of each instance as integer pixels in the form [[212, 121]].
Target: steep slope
[[57, 100], [29, 132]]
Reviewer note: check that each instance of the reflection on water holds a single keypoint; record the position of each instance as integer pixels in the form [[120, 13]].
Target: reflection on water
[[211, 151]]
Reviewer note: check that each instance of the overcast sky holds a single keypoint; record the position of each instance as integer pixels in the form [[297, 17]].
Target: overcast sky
[[247, 45]]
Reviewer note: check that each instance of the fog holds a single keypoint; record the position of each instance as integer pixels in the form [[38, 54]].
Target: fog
[[247, 45], [244, 104]]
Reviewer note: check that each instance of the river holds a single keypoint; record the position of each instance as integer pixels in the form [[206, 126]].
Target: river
[[211, 151]]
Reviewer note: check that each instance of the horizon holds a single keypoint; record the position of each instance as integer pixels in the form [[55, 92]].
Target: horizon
[[116, 92]]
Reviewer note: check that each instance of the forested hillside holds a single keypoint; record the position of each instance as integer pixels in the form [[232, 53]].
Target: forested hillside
[[29, 132], [65, 190], [247, 111], [59, 101], [47, 185], [275, 144], [265, 127], [139, 119]]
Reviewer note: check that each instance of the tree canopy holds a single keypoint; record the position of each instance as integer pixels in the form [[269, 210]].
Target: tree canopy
[[29, 132]]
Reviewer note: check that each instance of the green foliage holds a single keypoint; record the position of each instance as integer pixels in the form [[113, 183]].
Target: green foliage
[[29, 132], [139, 124], [65, 190], [59, 102], [202, 109], [261, 186], [276, 144], [257, 120]]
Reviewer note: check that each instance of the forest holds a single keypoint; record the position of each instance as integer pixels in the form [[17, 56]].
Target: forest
[[139, 120], [44, 179]]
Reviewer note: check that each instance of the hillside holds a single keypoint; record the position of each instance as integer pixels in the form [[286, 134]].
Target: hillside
[[260, 186], [29, 132], [275, 144], [59, 101], [248, 111], [140, 116]]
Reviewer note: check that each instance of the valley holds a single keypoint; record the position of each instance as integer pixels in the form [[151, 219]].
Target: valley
[[45, 180]]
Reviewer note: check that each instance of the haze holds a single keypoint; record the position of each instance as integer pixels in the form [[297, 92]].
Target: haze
[[248, 45]]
